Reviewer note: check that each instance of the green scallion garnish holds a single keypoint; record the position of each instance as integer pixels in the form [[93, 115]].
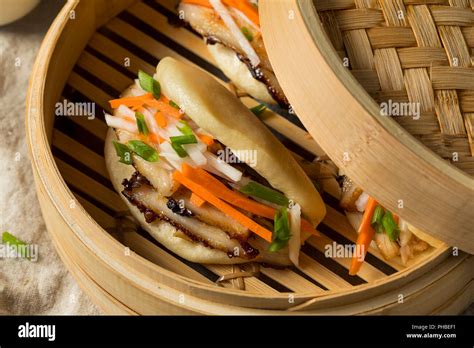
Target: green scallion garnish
[[258, 110], [141, 123], [149, 84], [390, 226], [378, 214], [257, 190], [143, 150], [383, 222], [178, 142], [173, 104], [185, 129], [123, 152], [281, 230], [248, 35]]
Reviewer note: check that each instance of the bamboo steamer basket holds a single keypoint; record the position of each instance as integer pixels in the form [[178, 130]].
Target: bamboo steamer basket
[[398, 52], [92, 51]]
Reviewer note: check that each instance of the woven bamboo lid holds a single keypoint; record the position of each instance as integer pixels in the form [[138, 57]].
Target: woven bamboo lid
[[361, 60]]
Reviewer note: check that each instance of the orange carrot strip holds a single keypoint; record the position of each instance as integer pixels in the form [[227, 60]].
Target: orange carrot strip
[[161, 119], [307, 227], [366, 234], [196, 200], [222, 206], [218, 189], [130, 101], [164, 107], [395, 218], [154, 138], [204, 3], [246, 8], [206, 139]]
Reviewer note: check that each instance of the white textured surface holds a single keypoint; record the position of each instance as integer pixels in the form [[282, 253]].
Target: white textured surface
[[45, 286]]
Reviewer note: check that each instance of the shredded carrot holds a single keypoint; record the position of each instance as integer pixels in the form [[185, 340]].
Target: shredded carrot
[[206, 139], [243, 6], [134, 102], [366, 234], [147, 99], [164, 107], [161, 119], [218, 189], [246, 8], [204, 3], [154, 138], [307, 227], [196, 200], [396, 218], [222, 206]]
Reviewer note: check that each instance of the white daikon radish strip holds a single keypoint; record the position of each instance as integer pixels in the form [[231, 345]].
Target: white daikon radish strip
[[170, 154], [120, 123], [195, 154], [239, 184], [150, 121], [235, 31], [361, 202], [167, 151], [125, 112], [201, 146], [241, 15], [294, 244], [223, 167], [203, 132], [172, 129], [405, 233]]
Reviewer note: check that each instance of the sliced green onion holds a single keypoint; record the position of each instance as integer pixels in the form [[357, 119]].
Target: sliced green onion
[[9, 239], [257, 190], [178, 142], [277, 244], [143, 150], [185, 129], [378, 214], [390, 226], [184, 139], [123, 152], [376, 221], [173, 104], [149, 84], [179, 150], [248, 35], [281, 230], [141, 123], [258, 110]]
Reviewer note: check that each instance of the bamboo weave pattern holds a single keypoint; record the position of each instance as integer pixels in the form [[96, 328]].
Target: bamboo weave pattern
[[413, 51]]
